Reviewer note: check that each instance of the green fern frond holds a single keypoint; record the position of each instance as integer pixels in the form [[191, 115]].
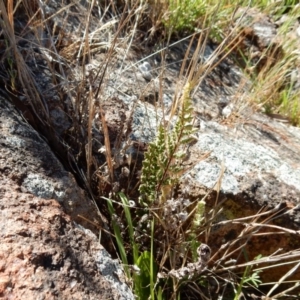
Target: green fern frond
[[162, 164], [198, 215]]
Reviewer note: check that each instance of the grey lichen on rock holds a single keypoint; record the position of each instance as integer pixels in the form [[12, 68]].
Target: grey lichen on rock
[[242, 155]]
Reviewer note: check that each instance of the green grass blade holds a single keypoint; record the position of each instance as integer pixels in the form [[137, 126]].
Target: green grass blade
[[130, 226], [152, 275], [119, 238]]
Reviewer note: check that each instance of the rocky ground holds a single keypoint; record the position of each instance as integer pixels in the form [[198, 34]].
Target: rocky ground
[[242, 159], [47, 250]]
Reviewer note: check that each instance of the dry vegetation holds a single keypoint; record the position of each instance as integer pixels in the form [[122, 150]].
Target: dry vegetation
[[160, 234]]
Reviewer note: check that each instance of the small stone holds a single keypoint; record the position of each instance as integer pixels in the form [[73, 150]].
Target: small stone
[[227, 110], [145, 69]]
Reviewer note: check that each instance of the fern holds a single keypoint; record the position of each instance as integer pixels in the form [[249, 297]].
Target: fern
[[162, 165]]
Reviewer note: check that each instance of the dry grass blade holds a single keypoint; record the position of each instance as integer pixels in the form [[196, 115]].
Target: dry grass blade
[[272, 211], [250, 230], [285, 292], [283, 278], [215, 210], [84, 46], [10, 12], [85, 51], [108, 153], [91, 111], [38, 106], [268, 259]]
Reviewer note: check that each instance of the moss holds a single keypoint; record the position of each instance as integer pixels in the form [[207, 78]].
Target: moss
[[231, 209]]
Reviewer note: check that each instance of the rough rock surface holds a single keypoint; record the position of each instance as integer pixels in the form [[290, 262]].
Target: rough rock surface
[[44, 254], [250, 149], [27, 160]]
